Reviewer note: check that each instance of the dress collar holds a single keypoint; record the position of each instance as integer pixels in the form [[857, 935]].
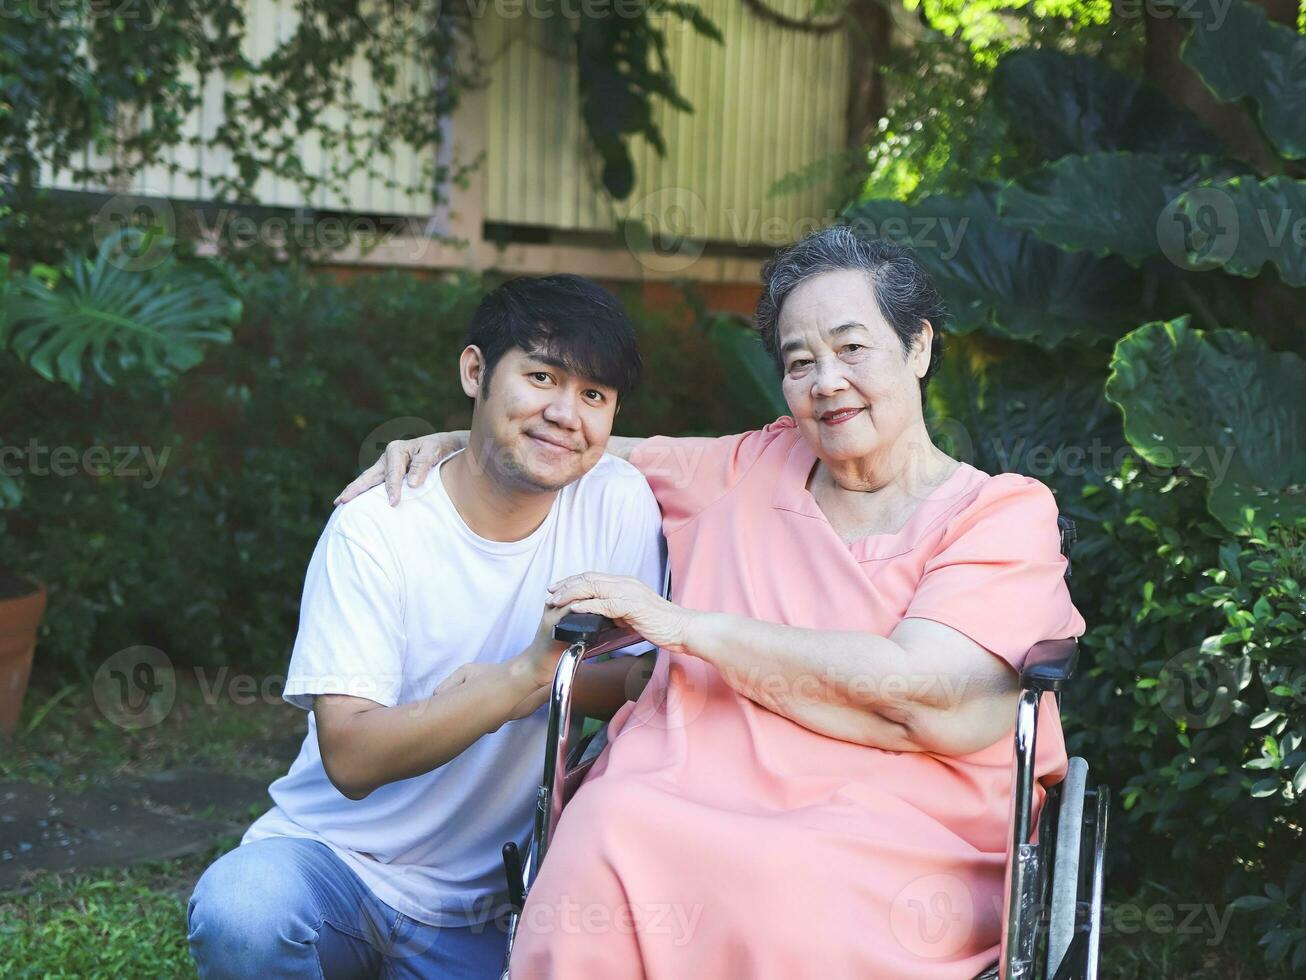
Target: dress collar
[[791, 494]]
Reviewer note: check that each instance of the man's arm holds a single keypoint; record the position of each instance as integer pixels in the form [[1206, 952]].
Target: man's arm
[[414, 459], [602, 688], [365, 745]]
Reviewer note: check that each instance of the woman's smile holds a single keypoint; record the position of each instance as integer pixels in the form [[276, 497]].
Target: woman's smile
[[838, 416]]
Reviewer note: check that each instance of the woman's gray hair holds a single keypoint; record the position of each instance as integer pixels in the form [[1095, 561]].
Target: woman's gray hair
[[902, 290]]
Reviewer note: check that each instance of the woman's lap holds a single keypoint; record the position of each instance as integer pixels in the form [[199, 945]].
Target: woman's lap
[[673, 887]]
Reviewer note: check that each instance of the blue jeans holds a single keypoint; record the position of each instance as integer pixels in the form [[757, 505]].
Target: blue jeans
[[288, 907]]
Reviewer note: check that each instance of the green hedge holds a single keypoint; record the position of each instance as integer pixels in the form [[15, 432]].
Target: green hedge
[[206, 562]]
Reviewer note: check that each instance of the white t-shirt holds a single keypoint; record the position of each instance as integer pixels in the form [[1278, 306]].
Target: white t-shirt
[[396, 599]]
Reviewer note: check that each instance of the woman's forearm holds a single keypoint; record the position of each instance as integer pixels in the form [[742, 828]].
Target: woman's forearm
[[857, 687]]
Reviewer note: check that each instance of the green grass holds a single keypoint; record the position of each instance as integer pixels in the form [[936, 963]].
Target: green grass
[[64, 740], [104, 925], [131, 922], [123, 922]]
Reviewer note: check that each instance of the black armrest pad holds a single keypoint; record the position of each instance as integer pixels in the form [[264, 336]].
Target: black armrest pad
[[595, 631], [1050, 664], [581, 626]]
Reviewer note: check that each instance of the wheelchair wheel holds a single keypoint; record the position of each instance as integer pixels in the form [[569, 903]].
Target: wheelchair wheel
[[1064, 904]]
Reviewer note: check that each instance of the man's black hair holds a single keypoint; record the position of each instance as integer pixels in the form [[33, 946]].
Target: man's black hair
[[569, 318]]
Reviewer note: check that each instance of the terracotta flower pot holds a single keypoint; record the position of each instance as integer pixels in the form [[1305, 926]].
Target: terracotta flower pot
[[22, 603]]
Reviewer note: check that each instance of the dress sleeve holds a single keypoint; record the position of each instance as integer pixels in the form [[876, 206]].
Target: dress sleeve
[[688, 474], [997, 574]]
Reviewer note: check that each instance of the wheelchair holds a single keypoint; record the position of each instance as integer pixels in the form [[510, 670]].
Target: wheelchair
[[1053, 895]]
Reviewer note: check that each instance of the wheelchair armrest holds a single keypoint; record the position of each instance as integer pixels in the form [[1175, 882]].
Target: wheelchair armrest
[[598, 633], [1049, 665]]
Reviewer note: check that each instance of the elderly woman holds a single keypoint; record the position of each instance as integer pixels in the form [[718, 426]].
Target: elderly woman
[[816, 780]]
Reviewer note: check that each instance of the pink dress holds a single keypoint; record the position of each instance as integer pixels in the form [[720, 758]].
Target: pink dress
[[715, 838]]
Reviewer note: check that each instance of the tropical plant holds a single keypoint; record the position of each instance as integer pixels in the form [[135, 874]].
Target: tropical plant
[[132, 312], [1124, 303]]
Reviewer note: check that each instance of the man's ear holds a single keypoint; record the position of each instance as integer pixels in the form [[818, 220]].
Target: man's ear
[[471, 370]]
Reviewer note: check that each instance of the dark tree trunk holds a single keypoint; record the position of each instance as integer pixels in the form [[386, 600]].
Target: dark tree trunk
[[1230, 121], [870, 33]]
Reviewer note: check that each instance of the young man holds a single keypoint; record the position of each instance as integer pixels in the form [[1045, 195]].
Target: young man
[[424, 661]]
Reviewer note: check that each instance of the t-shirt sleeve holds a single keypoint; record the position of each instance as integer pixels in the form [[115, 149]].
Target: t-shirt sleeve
[[640, 549], [998, 573], [688, 474], [350, 638]]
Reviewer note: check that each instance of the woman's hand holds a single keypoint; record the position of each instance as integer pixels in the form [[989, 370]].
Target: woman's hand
[[630, 603], [405, 457]]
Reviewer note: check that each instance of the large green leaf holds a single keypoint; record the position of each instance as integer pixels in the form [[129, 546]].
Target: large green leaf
[[1003, 279], [1106, 203], [1243, 223], [1245, 55], [750, 372], [1072, 104], [117, 317], [1222, 405], [1005, 406]]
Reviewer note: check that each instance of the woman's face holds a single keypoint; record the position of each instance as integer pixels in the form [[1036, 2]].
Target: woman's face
[[849, 385]]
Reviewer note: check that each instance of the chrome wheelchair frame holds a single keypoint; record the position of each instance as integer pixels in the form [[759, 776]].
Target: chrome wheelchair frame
[[1054, 893]]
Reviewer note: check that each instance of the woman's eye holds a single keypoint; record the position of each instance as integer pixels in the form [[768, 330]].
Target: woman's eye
[[795, 365], [540, 376], [594, 396], [854, 347]]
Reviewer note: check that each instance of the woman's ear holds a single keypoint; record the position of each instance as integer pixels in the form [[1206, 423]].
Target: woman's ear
[[921, 350], [471, 370]]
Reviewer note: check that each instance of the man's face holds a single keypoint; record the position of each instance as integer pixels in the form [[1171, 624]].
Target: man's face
[[538, 427]]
